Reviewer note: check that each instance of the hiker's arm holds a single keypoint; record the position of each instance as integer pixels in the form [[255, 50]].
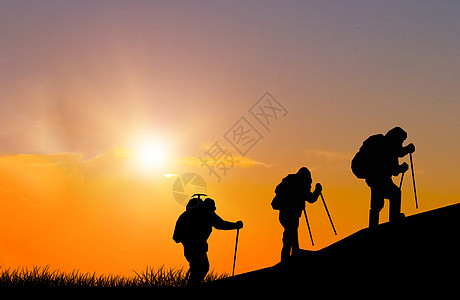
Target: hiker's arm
[[314, 196], [402, 168], [406, 150], [226, 225]]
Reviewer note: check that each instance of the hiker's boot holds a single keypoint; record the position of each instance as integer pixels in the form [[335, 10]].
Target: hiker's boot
[[397, 219], [373, 219], [285, 254]]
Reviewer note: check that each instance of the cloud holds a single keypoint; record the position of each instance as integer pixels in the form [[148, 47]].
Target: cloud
[[217, 148], [238, 161], [247, 162], [115, 162], [328, 157], [105, 164], [170, 175]]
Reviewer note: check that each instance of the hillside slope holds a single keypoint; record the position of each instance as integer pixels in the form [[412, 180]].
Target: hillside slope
[[422, 252]]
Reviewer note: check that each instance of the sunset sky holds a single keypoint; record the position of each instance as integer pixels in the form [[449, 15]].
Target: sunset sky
[[104, 104]]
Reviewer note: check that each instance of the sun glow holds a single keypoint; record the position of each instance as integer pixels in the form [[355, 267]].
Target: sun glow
[[151, 154]]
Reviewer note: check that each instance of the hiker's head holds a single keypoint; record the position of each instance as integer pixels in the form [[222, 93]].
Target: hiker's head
[[209, 204], [397, 135], [193, 203], [305, 174]]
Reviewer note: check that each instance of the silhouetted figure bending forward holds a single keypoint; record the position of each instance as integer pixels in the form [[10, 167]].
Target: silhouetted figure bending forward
[[193, 229], [290, 198], [377, 161]]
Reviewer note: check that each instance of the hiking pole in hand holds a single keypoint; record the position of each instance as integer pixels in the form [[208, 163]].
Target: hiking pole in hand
[[236, 247], [402, 177], [327, 211], [308, 226], [413, 179]]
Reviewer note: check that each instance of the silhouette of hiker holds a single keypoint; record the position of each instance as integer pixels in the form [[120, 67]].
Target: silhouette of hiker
[[376, 162], [193, 229], [290, 198]]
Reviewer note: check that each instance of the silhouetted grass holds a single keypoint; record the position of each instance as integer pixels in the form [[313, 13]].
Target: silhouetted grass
[[44, 277], [162, 277]]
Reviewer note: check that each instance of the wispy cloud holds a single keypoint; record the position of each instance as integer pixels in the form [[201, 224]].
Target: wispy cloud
[[326, 156], [238, 161], [248, 162]]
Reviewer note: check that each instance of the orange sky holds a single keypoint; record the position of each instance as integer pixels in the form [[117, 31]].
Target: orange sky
[[85, 88]]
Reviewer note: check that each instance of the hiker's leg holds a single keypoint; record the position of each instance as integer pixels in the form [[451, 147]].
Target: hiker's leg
[[295, 236], [377, 202], [287, 245], [204, 267], [394, 195], [199, 267], [287, 240]]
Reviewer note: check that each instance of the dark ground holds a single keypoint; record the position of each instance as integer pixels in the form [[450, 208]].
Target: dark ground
[[418, 257]]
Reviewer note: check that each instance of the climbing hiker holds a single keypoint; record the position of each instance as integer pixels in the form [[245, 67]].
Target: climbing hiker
[[376, 162], [193, 229], [290, 198]]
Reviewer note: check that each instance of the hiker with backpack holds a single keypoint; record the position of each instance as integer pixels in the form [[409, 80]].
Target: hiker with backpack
[[290, 198], [376, 162], [193, 229]]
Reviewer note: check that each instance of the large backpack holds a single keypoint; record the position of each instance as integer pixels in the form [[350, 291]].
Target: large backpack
[[282, 192], [366, 161], [180, 231], [185, 222]]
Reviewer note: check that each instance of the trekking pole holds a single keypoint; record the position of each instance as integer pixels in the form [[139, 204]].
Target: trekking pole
[[236, 247], [327, 211], [402, 177], [308, 225], [413, 179]]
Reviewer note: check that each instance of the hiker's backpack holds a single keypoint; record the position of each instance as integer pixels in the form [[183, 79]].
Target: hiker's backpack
[[366, 161], [282, 192], [180, 231]]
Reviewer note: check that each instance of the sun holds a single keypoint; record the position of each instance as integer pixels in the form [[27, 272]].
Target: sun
[[151, 154]]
